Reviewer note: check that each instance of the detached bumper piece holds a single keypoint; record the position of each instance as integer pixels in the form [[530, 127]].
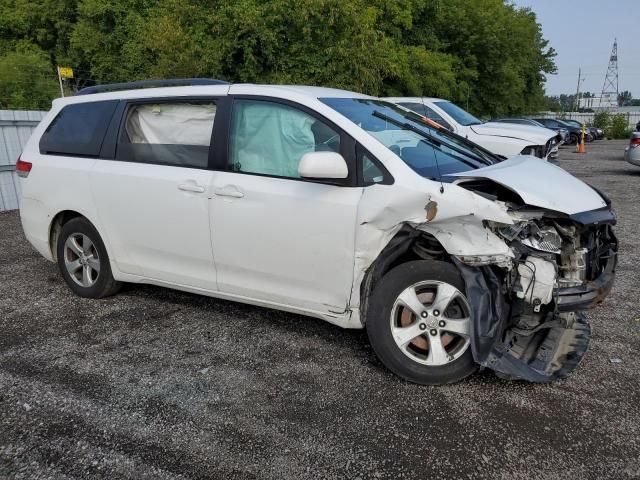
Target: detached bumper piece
[[550, 352]]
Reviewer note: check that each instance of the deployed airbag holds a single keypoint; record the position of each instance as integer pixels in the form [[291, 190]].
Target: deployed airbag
[[171, 124]]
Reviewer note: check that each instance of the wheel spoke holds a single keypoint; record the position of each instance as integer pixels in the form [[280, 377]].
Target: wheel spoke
[[460, 326], [410, 299], [86, 243], [72, 267], [72, 243], [94, 263], [403, 335], [445, 294], [437, 354], [86, 276]]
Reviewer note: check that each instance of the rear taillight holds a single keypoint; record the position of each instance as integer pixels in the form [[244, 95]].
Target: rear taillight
[[23, 168], [635, 141]]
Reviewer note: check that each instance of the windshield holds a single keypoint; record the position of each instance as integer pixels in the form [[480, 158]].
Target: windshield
[[459, 115], [575, 123], [430, 150]]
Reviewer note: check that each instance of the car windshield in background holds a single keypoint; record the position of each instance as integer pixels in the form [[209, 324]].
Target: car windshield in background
[[459, 115], [432, 152], [574, 123]]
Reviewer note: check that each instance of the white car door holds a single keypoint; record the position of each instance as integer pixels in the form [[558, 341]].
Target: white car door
[[276, 237], [153, 199]]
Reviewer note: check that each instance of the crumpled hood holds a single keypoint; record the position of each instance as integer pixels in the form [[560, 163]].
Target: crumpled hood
[[541, 184], [531, 133]]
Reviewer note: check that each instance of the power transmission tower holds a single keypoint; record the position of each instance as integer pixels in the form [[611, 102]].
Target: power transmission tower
[[610, 86]]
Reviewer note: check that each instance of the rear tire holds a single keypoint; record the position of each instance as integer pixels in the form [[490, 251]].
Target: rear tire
[[83, 260], [429, 342]]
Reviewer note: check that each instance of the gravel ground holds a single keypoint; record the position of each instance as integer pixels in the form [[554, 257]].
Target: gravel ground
[[154, 383]]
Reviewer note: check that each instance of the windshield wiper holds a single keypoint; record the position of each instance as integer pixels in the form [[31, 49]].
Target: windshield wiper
[[436, 142], [489, 157]]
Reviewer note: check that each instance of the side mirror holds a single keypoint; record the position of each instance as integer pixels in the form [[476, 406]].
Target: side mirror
[[323, 165]]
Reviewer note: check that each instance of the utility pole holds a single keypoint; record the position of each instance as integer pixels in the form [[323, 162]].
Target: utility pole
[[60, 80], [577, 103]]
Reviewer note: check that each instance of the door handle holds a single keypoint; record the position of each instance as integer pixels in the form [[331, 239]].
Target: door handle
[[228, 192], [191, 187]]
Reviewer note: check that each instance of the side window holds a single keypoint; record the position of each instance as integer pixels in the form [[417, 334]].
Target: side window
[[78, 129], [177, 134], [269, 138], [373, 173], [432, 115]]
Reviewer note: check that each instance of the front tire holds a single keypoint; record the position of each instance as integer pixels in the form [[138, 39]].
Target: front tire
[[419, 323], [83, 260]]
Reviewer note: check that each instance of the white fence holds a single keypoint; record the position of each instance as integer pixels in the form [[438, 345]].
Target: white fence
[[15, 128], [633, 117]]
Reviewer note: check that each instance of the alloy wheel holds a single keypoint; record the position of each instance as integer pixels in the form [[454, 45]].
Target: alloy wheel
[[81, 260], [430, 323]]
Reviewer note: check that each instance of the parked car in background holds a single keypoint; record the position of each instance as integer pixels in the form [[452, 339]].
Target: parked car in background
[[328, 203], [632, 152], [564, 133], [574, 132], [638, 127], [596, 133], [502, 139]]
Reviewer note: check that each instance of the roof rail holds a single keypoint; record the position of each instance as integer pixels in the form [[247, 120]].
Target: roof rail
[[171, 82]]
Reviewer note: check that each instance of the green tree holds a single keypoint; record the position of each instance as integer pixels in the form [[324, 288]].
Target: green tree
[[624, 98], [486, 53], [619, 127], [27, 80], [601, 120]]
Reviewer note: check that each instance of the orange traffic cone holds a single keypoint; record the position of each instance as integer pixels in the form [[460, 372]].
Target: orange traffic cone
[[580, 147]]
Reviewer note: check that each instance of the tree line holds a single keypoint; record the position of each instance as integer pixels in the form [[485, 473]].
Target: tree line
[[485, 54], [567, 102]]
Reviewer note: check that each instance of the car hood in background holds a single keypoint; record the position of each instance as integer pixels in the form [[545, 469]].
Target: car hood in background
[[541, 184], [531, 133]]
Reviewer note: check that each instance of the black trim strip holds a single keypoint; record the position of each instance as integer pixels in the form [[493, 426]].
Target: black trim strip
[[604, 215]]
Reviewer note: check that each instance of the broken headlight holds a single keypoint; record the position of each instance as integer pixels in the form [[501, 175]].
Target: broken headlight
[[546, 239], [535, 150]]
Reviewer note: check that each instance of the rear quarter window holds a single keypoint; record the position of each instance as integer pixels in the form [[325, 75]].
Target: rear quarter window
[[78, 129]]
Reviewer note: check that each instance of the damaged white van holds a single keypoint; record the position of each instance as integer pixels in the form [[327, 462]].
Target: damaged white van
[[326, 203]]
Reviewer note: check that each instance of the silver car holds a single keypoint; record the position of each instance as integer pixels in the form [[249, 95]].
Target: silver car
[[632, 152]]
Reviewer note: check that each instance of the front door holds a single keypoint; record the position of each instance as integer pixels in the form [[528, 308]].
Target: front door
[[277, 237]]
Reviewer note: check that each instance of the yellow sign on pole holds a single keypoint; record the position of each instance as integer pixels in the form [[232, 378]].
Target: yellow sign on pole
[[65, 72]]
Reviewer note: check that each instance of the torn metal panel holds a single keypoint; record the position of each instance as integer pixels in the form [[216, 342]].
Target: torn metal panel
[[548, 352], [467, 236], [384, 210]]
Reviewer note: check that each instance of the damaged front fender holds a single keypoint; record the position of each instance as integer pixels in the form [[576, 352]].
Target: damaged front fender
[[451, 213]]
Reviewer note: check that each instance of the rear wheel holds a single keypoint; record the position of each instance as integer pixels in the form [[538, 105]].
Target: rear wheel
[[83, 260], [419, 323]]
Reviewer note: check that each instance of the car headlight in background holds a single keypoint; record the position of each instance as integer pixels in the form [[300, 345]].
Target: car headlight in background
[[535, 150]]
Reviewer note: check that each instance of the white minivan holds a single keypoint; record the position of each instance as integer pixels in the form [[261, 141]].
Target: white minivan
[[504, 139], [327, 203]]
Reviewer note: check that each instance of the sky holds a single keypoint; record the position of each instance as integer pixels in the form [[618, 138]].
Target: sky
[[582, 33]]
